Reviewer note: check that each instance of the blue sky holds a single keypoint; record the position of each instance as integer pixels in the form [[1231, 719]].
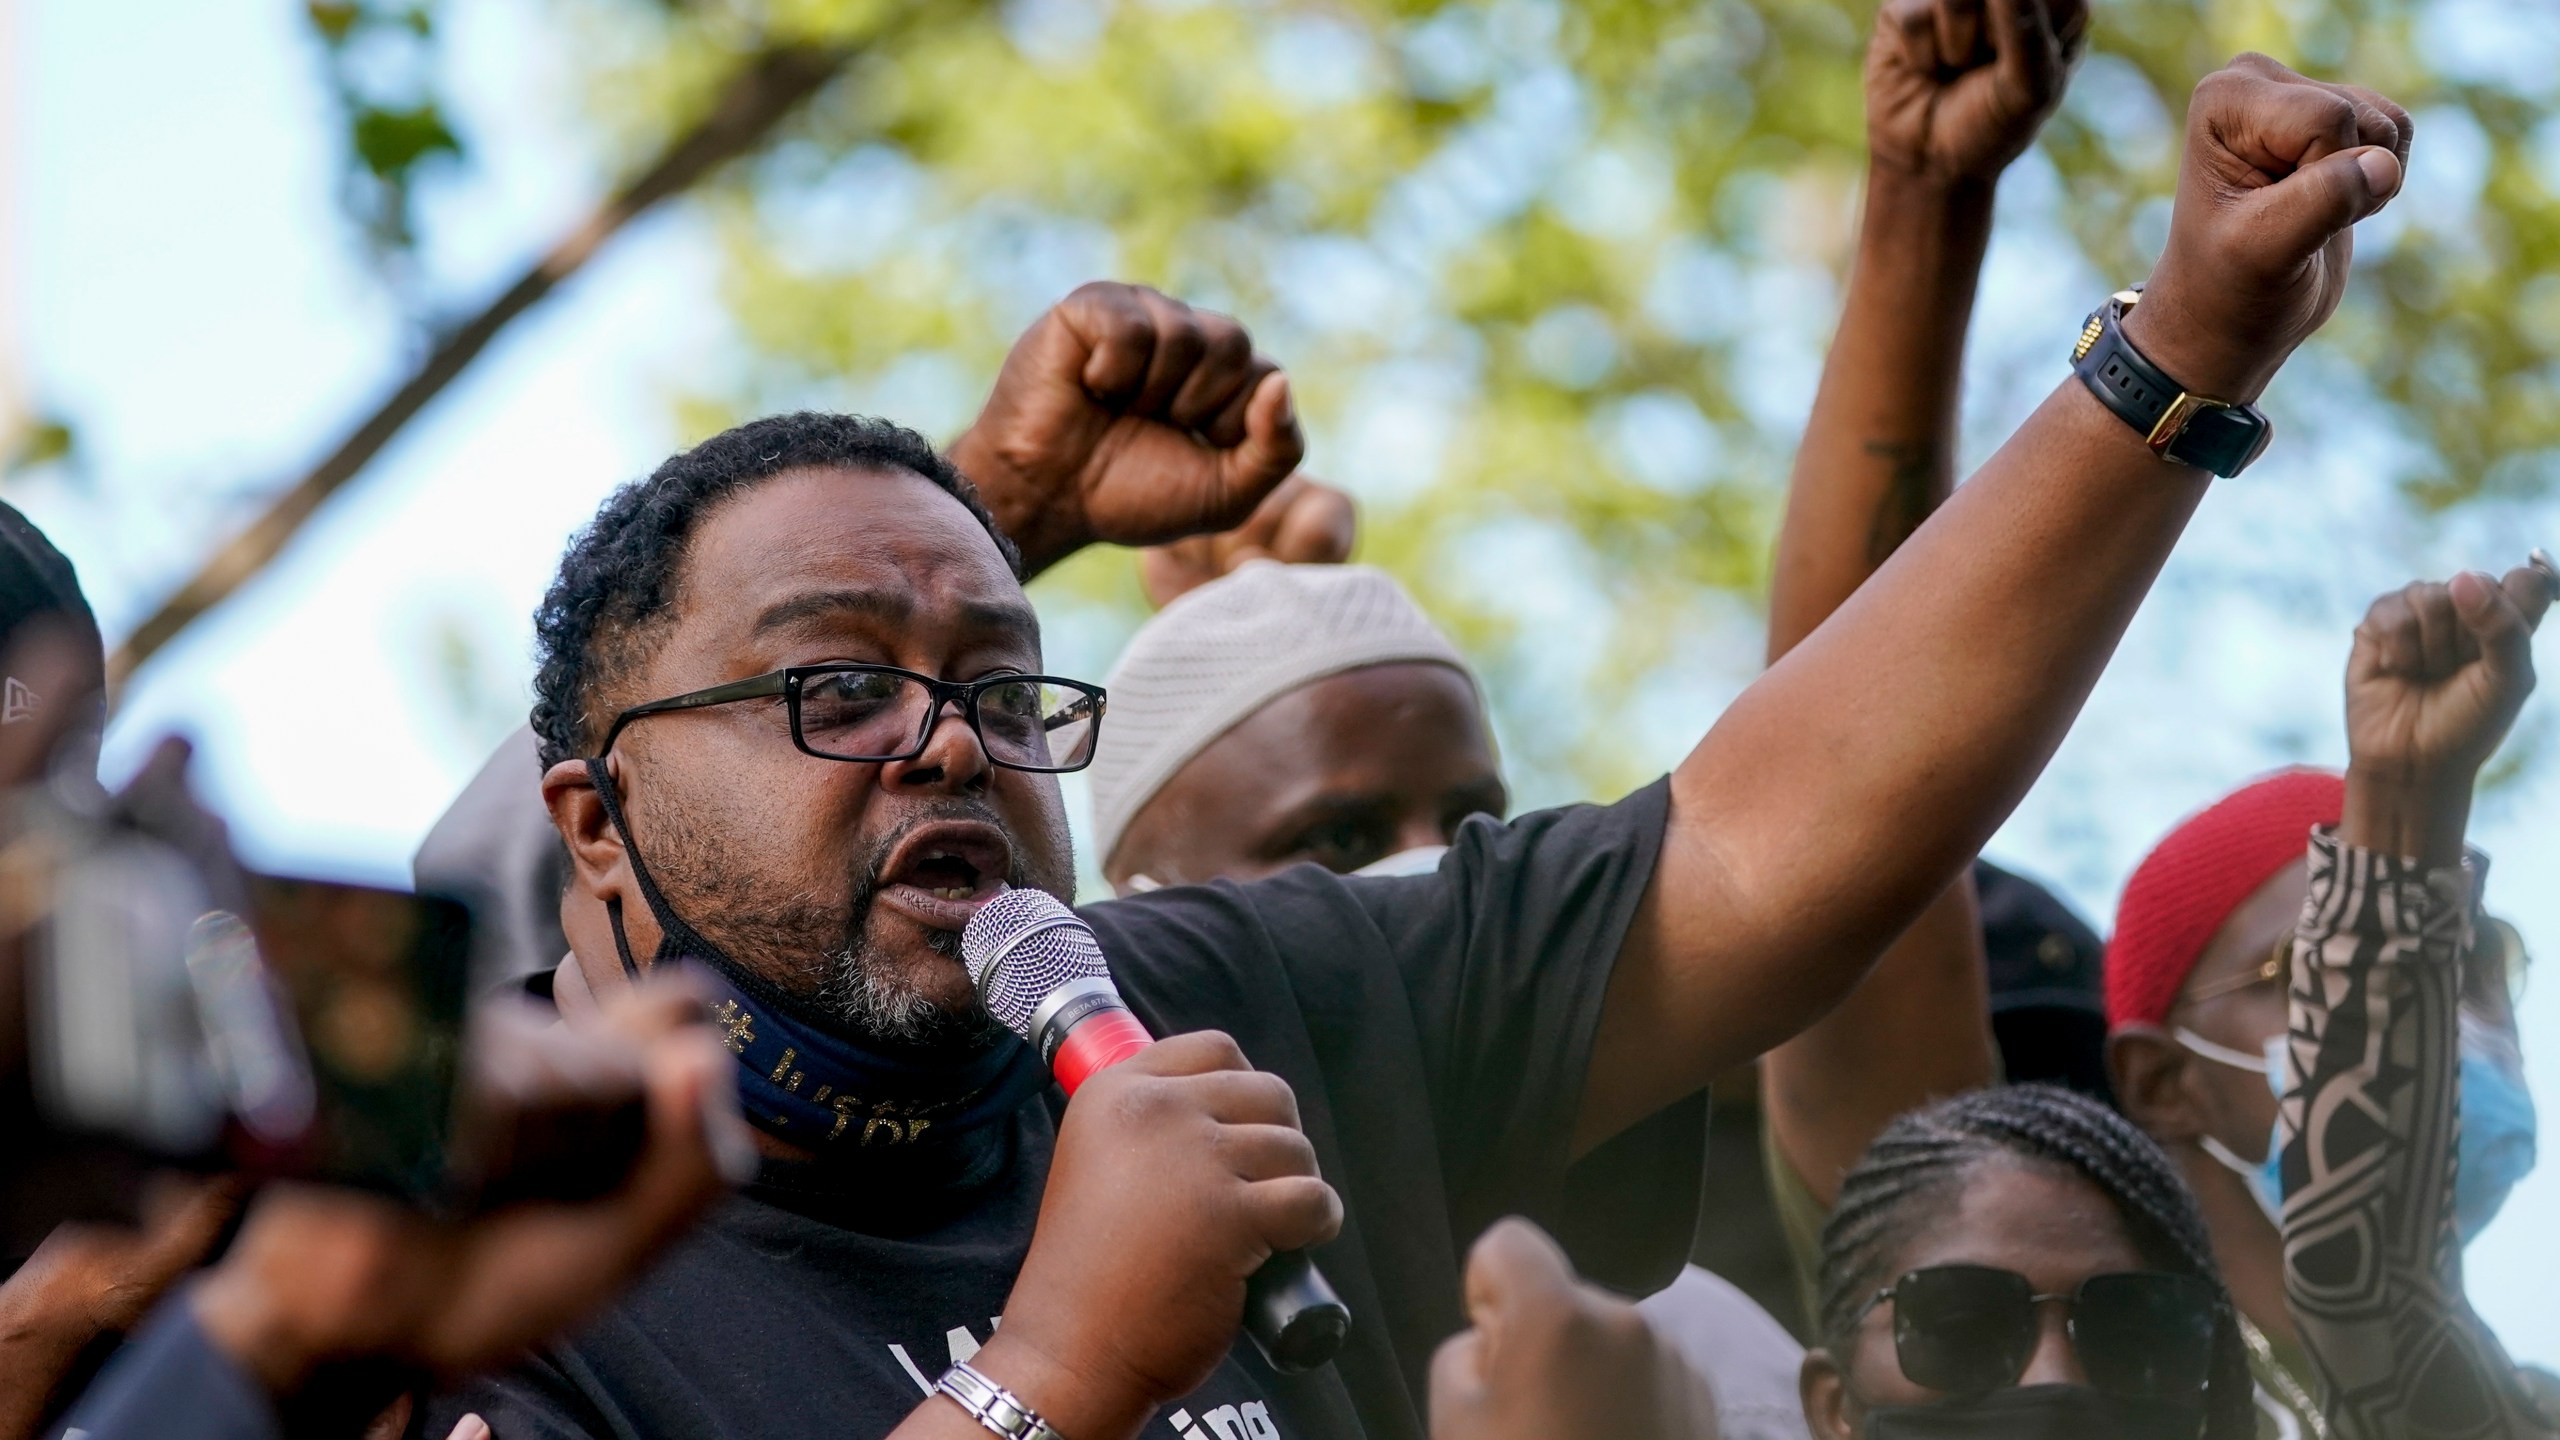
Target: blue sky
[[187, 293]]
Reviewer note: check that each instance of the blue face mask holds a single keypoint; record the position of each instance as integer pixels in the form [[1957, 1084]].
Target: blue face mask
[[2266, 1176], [2497, 1125], [2495, 1115]]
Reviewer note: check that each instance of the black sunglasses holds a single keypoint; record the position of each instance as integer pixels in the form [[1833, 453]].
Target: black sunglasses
[[877, 713], [1966, 1329]]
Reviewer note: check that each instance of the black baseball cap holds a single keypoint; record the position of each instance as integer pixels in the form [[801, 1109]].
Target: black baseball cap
[[38, 584], [2048, 988]]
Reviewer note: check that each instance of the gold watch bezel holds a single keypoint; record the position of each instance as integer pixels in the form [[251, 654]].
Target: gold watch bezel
[[2173, 421]]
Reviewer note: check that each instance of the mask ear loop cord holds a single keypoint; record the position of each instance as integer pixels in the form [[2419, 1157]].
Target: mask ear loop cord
[[2218, 1052], [2271, 1065], [671, 927]]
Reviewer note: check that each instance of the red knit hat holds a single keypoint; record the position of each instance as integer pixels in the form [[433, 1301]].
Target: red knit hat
[[2191, 882]]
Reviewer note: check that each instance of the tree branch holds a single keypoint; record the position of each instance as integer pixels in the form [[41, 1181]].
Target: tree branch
[[768, 88]]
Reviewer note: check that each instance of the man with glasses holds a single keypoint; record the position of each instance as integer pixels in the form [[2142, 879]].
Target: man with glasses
[[1440, 1048]]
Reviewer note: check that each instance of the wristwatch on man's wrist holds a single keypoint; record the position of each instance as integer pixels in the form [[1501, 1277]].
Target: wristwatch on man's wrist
[[2177, 424]]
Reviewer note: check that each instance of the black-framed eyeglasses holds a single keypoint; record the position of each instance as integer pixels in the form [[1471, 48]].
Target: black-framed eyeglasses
[[1966, 1329], [878, 713]]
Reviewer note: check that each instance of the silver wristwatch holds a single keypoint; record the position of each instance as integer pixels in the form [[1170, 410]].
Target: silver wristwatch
[[992, 1405]]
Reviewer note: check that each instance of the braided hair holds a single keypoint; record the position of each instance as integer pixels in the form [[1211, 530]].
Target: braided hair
[[1914, 1173]]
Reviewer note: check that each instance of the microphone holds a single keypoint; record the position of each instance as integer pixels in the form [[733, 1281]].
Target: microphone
[[1041, 972]]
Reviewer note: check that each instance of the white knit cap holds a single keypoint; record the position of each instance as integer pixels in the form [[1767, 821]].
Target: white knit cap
[[1221, 652]]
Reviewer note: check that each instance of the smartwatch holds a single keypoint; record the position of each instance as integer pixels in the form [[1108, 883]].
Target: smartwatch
[[2178, 424]]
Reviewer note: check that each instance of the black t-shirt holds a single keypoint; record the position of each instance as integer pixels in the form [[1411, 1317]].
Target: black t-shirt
[[1436, 1029]]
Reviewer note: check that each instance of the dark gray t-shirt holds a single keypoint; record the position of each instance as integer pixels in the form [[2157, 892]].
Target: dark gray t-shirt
[[1436, 1029]]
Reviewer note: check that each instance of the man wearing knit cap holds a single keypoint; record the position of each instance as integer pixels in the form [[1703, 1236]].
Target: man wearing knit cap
[[1313, 713], [2357, 890], [1288, 713]]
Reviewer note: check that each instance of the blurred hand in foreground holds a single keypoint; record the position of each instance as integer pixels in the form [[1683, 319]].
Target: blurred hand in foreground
[[135, 1229], [89, 1282], [1551, 1358], [323, 1278]]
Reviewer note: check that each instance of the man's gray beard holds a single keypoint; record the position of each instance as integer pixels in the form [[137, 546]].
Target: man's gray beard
[[877, 1001], [869, 996]]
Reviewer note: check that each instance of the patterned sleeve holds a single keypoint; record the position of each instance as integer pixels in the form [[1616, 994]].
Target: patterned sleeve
[[2372, 1271]]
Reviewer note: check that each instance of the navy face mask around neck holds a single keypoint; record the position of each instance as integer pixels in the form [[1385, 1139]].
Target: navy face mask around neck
[[799, 1077], [2038, 1412]]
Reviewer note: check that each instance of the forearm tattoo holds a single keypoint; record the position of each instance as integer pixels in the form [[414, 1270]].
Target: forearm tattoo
[[1910, 494], [2372, 1270]]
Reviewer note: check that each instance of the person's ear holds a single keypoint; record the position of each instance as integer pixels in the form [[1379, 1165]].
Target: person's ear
[[599, 870], [1824, 1391], [598, 864], [1118, 874], [2154, 1078], [1137, 863]]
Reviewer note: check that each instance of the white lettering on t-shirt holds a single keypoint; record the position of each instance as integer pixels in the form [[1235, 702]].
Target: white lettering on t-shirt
[[923, 1385], [958, 1340], [1250, 1421]]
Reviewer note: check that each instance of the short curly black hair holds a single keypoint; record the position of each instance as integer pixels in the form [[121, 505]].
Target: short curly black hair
[[617, 583]]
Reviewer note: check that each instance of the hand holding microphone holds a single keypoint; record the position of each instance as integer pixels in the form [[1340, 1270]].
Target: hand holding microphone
[[1180, 1175]]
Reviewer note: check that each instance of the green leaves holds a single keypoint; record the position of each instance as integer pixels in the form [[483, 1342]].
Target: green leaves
[[1545, 270], [333, 19], [42, 440], [390, 142], [382, 68]]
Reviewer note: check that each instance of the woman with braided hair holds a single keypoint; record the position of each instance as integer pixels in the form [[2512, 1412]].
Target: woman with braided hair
[[2021, 1262]]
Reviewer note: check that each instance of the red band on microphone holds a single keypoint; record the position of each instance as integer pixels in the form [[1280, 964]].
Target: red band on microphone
[[1103, 1039]]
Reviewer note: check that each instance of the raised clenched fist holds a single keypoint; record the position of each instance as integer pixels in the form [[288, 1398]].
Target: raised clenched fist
[[1957, 88], [1127, 417], [2278, 170], [2439, 672]]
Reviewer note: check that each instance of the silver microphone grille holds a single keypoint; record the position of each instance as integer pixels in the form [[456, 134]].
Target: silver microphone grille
[[1020, 947]]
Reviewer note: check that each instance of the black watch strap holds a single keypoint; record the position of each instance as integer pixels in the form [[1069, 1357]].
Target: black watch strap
[[2177, 424]]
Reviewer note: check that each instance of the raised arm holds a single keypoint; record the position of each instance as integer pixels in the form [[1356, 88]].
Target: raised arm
[[1947, 110], [2373, 1272], [1851, 784], [1126, 417]]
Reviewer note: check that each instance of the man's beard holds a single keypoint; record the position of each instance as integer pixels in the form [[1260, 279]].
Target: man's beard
[[825, 953], [876, 998]]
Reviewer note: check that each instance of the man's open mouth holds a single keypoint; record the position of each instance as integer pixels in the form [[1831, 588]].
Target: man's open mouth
[[941, 873]]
